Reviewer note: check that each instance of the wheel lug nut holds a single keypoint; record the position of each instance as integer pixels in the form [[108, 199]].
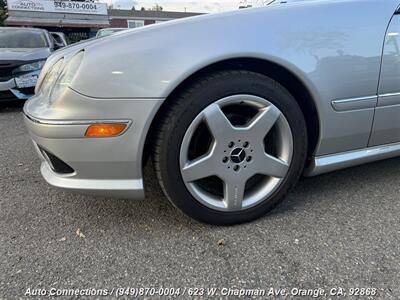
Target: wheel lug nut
[[236, 168], [225, 160], [249, 158], [231, 144], [246, 144]]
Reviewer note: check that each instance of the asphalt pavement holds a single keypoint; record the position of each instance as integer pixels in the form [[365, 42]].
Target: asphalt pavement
[[339, 230]]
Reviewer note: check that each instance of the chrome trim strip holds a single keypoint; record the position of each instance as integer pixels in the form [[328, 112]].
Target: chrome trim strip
[[76, 122], [389, 99], [390, 94], [333, 162], [354, 103]]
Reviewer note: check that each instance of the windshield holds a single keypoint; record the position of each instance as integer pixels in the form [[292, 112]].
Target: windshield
[[22, 39]]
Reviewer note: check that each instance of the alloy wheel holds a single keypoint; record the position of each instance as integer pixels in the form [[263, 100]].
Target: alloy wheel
[[236, 153]]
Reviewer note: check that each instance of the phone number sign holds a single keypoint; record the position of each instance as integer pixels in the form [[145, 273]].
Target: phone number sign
[[72, 7]]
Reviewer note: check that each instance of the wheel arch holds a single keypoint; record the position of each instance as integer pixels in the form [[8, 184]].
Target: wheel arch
[[273, 70]]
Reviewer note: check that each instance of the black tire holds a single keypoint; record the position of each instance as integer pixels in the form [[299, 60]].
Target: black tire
[[188, 105]]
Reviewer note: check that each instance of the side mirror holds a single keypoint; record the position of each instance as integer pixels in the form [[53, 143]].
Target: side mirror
[[58, 46]]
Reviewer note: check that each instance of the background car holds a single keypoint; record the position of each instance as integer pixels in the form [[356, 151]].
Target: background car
[[23, 53], [230, 118]]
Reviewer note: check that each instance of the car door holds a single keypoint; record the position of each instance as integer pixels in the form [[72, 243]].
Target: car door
[[386, 126]]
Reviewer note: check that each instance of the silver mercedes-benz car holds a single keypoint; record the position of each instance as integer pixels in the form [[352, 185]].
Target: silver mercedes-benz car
[[232, 108]]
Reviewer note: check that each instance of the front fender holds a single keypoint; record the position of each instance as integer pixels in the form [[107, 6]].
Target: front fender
[[333, 47]]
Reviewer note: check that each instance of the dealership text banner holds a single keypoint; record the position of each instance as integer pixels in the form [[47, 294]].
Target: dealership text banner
[[72, 7]]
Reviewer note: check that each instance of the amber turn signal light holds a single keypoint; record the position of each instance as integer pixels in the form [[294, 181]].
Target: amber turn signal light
[[105, 130]]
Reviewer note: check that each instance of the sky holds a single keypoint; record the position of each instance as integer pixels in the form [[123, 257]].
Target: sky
[[180, 5]]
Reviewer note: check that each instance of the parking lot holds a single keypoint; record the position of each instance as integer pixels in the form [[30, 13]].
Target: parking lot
[[336, 230]]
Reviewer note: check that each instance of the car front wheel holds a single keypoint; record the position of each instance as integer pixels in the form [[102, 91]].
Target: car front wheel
[[230, 147]]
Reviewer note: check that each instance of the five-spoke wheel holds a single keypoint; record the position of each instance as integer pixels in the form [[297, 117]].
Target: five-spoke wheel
[[230, 147], [237, 152]]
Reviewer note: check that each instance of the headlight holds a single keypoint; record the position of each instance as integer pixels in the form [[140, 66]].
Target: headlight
[[66, 76], [35, 66], [50, 78]]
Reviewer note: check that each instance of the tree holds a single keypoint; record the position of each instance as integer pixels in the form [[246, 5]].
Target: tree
[[2, 12], [154, 8], [157, 8]]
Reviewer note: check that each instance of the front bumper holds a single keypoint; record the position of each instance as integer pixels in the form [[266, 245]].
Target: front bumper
[[100, 166], [18, 88]]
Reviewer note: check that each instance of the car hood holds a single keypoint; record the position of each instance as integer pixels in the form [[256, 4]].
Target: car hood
[[280, 8], [159, 28], [151, 61], [24, 54]]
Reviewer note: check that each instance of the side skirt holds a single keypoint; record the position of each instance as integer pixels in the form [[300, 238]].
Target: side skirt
[[333, 162]]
